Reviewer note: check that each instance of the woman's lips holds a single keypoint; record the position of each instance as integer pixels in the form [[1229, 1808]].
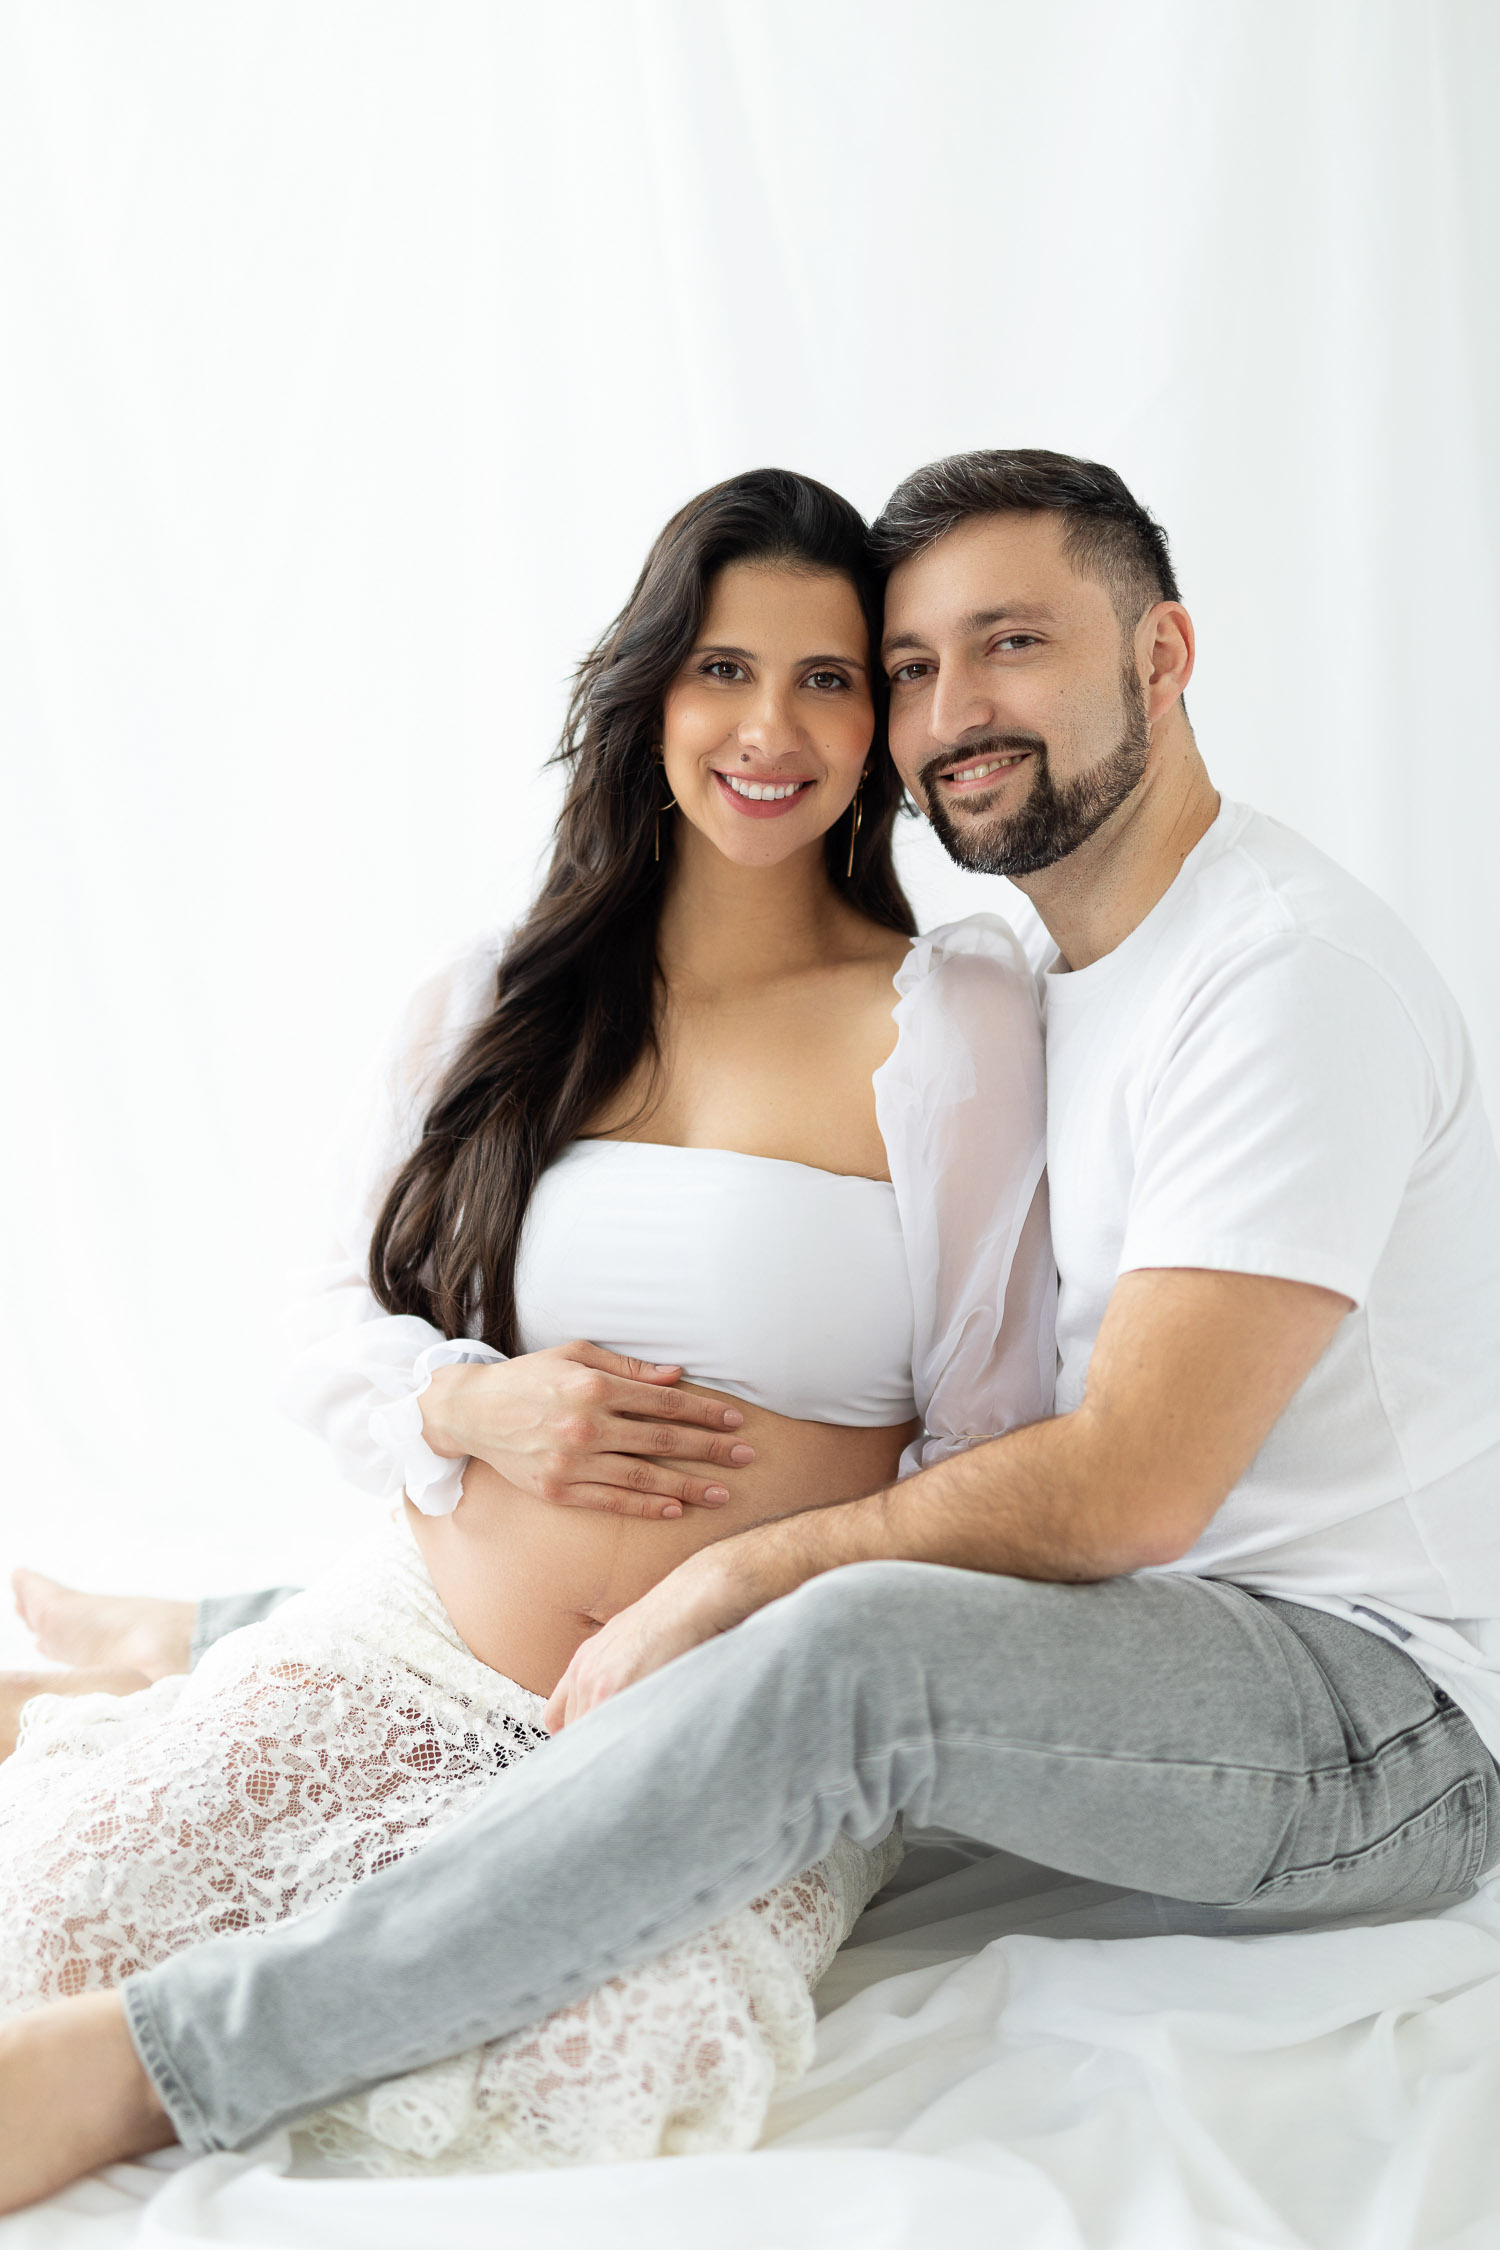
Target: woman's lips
[[760, 808]]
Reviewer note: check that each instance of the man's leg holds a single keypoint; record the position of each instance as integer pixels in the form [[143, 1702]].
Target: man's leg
[[1165, 1734], [218, 1614], [132, 1632], [116, 1643]]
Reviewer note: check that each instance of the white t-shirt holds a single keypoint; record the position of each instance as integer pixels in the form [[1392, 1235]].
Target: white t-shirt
[[1269, 1076]]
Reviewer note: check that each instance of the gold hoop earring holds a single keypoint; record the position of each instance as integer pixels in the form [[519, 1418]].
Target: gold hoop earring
[[659, 754], [859, 814]]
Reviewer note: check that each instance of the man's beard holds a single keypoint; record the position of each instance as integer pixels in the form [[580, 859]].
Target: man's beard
[[1055, 819]]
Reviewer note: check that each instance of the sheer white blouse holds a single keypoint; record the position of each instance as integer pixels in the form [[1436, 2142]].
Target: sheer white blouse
[[961, 1107]]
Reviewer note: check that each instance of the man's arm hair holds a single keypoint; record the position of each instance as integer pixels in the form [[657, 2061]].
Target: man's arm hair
[[1189, 1375]]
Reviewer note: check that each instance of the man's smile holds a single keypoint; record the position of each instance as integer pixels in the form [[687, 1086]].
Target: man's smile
[[982, 773]]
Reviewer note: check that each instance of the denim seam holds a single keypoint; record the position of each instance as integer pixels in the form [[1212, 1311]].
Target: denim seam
[[177, 2098], [1458, 1799], [1096, 1756]]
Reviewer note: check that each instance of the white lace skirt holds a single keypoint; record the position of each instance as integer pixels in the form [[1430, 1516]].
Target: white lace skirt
[[309, 1752]]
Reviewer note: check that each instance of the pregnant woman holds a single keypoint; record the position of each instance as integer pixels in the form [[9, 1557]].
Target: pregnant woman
[[710, 1108]]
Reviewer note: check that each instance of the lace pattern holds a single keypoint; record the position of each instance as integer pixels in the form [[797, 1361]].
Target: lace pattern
[[312, 1750]]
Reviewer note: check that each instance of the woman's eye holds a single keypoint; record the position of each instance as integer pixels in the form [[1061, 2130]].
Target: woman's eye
[[826, 680], [723, 668]]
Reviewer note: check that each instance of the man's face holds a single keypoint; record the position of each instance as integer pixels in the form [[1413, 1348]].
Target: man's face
[[1018, 720]]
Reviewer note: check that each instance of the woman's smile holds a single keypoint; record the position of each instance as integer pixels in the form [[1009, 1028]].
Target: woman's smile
[[760, 800]]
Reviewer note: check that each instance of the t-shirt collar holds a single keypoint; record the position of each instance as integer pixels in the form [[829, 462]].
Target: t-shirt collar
[[1066, 984]]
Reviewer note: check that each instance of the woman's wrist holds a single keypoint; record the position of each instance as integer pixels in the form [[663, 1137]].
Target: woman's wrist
[[441, 1406]]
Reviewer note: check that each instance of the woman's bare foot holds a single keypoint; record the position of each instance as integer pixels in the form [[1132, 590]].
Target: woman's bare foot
[[18, 1688], [73, 2096], [125, 1632]]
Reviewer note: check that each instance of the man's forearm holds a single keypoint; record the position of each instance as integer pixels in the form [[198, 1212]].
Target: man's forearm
[[1032, 1504], [1186, 1381]]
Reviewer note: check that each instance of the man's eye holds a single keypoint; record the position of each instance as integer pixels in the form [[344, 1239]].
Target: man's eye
[[826, 680], [1019, 640], [905, 673]]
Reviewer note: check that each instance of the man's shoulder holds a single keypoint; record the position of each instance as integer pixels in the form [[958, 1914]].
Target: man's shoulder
[[1277, 924], [1270, 886]]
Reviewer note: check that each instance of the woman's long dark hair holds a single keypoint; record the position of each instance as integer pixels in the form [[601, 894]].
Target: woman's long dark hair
[[577, 989]]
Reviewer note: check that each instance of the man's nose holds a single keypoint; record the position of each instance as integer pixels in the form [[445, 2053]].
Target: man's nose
[[960, 705]]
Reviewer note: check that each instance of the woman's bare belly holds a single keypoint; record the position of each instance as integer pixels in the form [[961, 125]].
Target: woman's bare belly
[[526, 1582]]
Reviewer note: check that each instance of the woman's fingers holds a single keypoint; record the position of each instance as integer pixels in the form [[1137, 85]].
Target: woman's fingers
[[650, 1402], [640, 1388], [619, 1363], [625, 1486], [627, 1435], [613, 1500]]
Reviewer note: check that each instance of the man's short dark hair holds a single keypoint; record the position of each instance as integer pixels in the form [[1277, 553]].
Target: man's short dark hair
[[1107, 534]]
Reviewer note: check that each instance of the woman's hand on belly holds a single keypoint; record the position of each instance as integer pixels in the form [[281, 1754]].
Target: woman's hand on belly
[[526, 1583], [581, 1427]]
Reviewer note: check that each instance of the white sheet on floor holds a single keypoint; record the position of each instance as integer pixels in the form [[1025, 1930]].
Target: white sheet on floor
[[999, 2068]]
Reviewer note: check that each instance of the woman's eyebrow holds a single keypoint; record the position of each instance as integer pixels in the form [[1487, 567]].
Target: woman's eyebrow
[[748, 656]]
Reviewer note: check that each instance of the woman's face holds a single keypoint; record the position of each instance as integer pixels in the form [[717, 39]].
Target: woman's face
[[766, 728]]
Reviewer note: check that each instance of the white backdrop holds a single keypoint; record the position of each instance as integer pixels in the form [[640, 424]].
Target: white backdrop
[[351, 352]]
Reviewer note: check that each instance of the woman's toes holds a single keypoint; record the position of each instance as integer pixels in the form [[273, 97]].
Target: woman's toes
[[135, 1631], [73, 2096], [35, 1596]]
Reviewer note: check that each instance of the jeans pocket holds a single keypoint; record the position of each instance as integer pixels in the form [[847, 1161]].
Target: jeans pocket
[[1433, 1858]]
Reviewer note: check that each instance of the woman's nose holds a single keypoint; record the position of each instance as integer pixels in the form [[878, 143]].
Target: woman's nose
[[768, 727]]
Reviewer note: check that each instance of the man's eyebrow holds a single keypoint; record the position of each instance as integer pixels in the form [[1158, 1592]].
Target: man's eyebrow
[[748, 656], [979, 621]]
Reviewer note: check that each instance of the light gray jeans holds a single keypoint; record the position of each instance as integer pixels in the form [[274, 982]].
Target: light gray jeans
[[219, 1614], [1171, 1735]]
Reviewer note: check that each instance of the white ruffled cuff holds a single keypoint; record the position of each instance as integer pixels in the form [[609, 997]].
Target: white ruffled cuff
[[433, 1484]]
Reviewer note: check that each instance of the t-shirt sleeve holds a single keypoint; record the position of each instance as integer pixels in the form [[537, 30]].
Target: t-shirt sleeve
[[1280, 1130]]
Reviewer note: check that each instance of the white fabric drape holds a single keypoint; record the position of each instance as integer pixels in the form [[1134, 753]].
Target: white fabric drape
[[1015, 2062], [351, 353]]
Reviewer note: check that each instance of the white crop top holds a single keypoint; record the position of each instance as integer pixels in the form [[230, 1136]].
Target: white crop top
[[827, 1298], [774, 1281]]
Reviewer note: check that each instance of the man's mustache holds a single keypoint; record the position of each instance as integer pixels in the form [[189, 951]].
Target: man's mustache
[[969, 753]]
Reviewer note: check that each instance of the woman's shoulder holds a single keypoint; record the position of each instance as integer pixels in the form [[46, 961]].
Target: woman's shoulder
[[981, 951], [968, 1048]]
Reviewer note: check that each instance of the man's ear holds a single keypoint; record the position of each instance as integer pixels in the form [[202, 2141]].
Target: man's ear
[[1165, 647]]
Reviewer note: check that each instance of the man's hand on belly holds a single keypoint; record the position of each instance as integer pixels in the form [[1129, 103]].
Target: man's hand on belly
[[693, 1603], [712, 1591]]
